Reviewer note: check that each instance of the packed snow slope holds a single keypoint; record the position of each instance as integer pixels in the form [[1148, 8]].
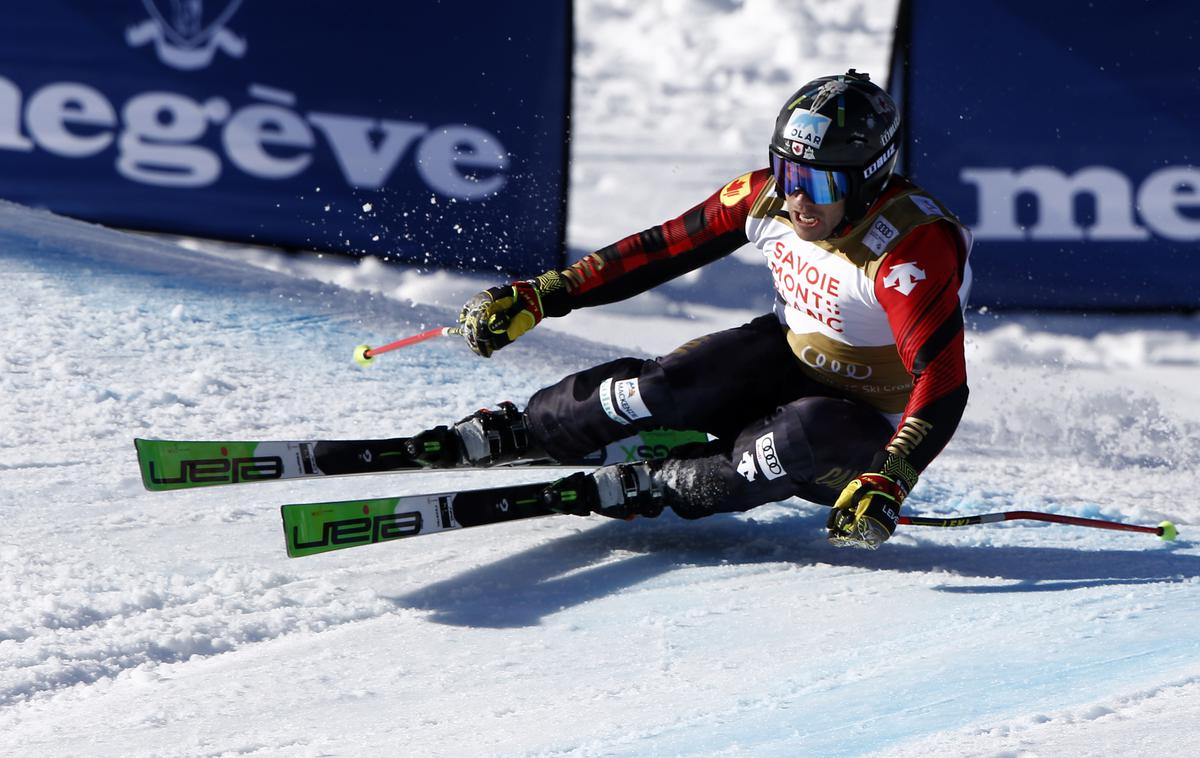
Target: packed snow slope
[[172, 624]]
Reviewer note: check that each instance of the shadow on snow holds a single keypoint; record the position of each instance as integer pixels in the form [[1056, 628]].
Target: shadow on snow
[[524, 588]]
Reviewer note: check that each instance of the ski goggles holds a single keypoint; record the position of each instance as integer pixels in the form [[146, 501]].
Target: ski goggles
[[820, 186]]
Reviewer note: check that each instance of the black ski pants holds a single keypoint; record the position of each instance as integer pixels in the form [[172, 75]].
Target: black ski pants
[[778, 433]]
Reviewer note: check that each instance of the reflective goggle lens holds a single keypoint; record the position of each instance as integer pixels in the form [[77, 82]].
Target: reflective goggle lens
[[820, 186]]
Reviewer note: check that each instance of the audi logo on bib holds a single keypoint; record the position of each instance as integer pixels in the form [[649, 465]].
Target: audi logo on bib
[[816, 359]]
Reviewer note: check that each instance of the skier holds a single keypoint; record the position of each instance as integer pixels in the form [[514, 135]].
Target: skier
[[842, 396]]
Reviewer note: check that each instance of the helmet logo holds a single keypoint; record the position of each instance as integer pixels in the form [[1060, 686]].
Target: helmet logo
[[804, 151], [891, 131], [806, 127], [828, 91], [879, 162], [883, 104]]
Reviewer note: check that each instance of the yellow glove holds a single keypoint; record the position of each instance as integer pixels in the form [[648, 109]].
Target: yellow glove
[[498, 316], [868, 510]]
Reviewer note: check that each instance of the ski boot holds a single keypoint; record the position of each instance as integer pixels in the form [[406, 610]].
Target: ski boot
[[485, 438], [620, 491]]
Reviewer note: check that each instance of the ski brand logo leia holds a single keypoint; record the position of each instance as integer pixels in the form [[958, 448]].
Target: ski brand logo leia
[[221, 470], [364, 530]]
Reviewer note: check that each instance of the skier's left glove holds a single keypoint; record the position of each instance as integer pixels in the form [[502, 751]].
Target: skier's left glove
[[868, 510], [498, 316]]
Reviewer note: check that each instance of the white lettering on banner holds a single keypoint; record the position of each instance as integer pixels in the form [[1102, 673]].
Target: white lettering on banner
[[903, 277], [880, 236], [158, 132], [1161, 201], [55, 107], [445, 150], [768, 459], [804, 286], [255, 127], [629, 401], [10, 118], [1161, 197], [157, 150], [362, 165]]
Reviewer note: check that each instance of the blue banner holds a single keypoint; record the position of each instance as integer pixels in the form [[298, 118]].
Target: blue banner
[[424, 132], [1064, 134]]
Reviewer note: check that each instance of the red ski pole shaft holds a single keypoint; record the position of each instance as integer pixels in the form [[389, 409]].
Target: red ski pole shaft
[[363, 353], [1165, 530], [441, 331]]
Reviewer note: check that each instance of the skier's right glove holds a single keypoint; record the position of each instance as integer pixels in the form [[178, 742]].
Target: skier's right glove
[[866, 513], [868, 509], [498, 316]]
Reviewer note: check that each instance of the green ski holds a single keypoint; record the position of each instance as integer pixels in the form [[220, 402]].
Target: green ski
[[178, 464], [312, 528]]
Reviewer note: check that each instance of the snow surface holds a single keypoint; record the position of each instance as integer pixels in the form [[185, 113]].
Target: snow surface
[[172, 624]]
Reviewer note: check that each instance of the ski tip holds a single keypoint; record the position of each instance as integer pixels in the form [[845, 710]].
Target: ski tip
[[142, 448], [283, 513], [1167, 531]]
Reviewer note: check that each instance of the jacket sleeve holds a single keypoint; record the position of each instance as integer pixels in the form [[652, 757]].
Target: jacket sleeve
[[642, 261], [919, 286]]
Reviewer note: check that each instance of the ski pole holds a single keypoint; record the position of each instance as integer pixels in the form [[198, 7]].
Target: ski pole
[[363, 354], [1165, 530]]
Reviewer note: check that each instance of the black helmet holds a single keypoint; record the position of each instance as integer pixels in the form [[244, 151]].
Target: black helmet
[[840, 123]]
